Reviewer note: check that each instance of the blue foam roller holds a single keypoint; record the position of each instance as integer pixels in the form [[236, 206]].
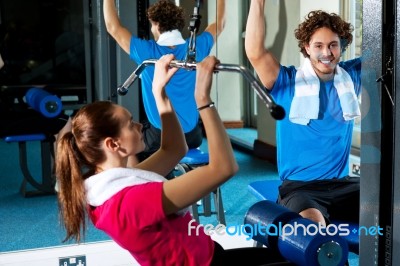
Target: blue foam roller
[[309, 245], [305, 244], [270, 217], [40, 100]]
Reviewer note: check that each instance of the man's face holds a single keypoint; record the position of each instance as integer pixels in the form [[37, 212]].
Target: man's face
[[324, 51]]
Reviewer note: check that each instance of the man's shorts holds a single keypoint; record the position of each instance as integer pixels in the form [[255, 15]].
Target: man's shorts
[[337, 199]]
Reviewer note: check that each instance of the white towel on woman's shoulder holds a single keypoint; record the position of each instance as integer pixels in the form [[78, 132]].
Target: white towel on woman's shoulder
[[104, 185], [305, 104]]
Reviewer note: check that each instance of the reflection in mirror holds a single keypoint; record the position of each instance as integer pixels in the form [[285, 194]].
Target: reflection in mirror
[[43, 45]]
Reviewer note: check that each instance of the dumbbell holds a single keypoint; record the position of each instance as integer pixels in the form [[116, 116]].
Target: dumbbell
[[42, 101]]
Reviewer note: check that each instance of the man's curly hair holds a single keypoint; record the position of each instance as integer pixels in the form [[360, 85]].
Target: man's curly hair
[[318, 19], [168, 15]]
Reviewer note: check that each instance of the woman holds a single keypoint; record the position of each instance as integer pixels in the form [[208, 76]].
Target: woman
[[138, 208]]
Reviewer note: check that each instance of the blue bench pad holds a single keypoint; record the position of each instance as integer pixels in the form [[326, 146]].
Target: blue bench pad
[[19, 138]]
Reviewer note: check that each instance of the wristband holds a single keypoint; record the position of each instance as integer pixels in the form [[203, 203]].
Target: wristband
[[211, 104]]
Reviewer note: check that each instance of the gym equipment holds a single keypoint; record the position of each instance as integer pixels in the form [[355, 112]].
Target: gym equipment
[[45, 103], [380, 151], [194, 26], [195, 158], [269, 190], [276, 111], [299, 240], [46, 185], [49, 106], [190, 64], [72, 97]]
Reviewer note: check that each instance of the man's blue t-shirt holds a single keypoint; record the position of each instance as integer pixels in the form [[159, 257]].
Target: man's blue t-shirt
[[180, 89], [319, 150]]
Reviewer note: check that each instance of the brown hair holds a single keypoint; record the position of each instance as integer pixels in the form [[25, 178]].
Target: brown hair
[[78, 153], [168, 15], [319, 19]]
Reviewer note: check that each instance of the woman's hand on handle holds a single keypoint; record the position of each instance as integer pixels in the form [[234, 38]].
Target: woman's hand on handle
[[162, 74], [194, 185], [204, 78], [222, 161], [173, 144]]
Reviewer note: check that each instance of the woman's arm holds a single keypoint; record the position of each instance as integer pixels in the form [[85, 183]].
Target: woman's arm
[[194, 185], [173, 143], [114, 27]]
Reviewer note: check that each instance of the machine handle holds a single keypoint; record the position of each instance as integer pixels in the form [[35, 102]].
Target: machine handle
[[276, 111]]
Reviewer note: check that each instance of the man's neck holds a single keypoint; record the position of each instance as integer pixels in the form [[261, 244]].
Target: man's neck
[[325, 77]]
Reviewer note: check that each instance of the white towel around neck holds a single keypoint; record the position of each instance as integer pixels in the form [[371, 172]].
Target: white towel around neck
[[102, 186], [305, 104], [170, 38]]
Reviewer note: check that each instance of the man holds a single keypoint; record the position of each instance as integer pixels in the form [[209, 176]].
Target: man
[[167, 21], [320, 100]]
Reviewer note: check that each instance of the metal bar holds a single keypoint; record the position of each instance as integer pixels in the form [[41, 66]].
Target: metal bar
[[276, 111]]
